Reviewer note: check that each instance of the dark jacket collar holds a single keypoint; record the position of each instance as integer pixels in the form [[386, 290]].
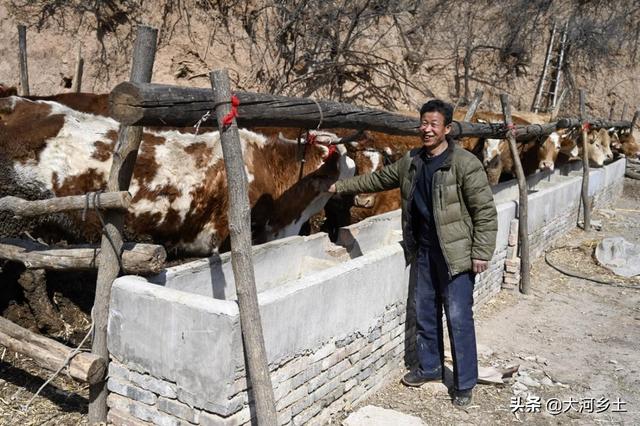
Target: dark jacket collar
[[418, 153]]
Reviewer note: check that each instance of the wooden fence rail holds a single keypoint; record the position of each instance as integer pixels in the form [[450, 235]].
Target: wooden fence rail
[[50, 354], [120, 200], [150, 104], [140, 259]]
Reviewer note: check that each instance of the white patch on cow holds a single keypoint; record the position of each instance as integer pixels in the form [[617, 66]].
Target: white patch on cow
[[374, 157], [491, 149], [388, 150], [68, 154], [575, 151], [204, 243], [555, 138]]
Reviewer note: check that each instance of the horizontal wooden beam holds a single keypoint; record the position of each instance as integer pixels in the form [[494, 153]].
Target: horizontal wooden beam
[[150, 104], [26, 208], [50, 354], [139, 259]]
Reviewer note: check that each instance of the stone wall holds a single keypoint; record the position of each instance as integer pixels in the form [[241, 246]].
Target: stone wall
[[334, 317]]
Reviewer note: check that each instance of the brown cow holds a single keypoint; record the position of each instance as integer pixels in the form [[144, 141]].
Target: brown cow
[[179, 184]]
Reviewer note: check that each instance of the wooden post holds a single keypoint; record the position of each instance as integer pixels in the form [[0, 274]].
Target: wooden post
[[634, 120], [22, 58], [477, 97], [523, 227], [76, 86], [612, 110], [124, 158], [242, 263], [558, 105], [625, 108], [586, 202]]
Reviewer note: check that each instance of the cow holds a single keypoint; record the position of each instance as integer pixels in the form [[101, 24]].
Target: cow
[[598, 145], [496, 154], [179, 186], [628, 144]]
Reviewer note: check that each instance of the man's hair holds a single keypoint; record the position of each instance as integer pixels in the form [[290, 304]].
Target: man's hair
[[437, 105]]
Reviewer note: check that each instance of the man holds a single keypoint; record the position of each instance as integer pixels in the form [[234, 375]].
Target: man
[[449, 226]]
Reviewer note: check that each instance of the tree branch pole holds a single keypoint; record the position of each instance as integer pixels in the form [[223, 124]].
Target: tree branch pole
[[76, 86], [477, 98], [523, 203], [124, 158], [625, 108], [49, 353], [139, 259], [149, 104], [586, 202], [634, 120], [242, 263], [22, 59], [26, 208]]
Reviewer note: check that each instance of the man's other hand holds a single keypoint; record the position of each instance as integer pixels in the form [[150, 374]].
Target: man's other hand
[[479, 265]]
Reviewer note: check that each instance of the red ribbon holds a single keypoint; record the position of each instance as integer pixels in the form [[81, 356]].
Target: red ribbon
[[586, 126], [512, 127], [313, 140], [228, 119]]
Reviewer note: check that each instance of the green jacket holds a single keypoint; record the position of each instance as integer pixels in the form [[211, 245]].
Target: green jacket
[[463, 207]]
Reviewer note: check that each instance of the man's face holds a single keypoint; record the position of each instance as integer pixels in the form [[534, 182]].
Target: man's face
[[432, 129]]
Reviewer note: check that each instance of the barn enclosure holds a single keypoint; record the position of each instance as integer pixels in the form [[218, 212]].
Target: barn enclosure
[[334, 315]]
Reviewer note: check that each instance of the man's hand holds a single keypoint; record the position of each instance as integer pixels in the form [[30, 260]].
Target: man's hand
[[332, 188], [479, 265]]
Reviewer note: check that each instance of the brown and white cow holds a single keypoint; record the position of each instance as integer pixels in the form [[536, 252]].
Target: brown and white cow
[[598, 145], [179, 183], [496, 155]]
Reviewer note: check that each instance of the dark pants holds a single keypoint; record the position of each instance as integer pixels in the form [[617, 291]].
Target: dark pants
[[433, 291]]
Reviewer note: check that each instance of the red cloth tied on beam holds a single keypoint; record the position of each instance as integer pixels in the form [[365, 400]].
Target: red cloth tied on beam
[[228, 119], [586, 126]]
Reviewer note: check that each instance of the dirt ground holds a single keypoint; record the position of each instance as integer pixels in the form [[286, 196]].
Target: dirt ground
[[577, 343], [573, 340]]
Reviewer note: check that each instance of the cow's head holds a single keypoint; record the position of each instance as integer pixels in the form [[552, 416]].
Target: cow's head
[[548, 152]]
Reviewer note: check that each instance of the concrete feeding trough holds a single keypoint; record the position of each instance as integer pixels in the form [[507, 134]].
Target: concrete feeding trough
[[334, 315]]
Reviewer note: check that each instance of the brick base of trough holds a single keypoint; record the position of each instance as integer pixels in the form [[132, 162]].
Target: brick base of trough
[[333, 336]]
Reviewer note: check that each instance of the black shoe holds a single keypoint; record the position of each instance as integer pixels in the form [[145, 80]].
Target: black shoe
[[462, 398], [416, 378]]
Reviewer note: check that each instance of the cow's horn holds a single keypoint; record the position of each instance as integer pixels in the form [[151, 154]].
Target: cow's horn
[[285, 140]]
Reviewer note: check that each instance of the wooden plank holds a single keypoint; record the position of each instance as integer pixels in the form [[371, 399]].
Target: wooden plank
[[523, 202], [22, 59], [124, 158], [140, 259], [120, 200], [586, 202], [50, 354], [242, 263]]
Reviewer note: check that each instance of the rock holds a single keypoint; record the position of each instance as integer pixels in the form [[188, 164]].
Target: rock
[[518, 388], [527, 381], [613, 361], [371, 415], [546, 381], [619, 256]]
